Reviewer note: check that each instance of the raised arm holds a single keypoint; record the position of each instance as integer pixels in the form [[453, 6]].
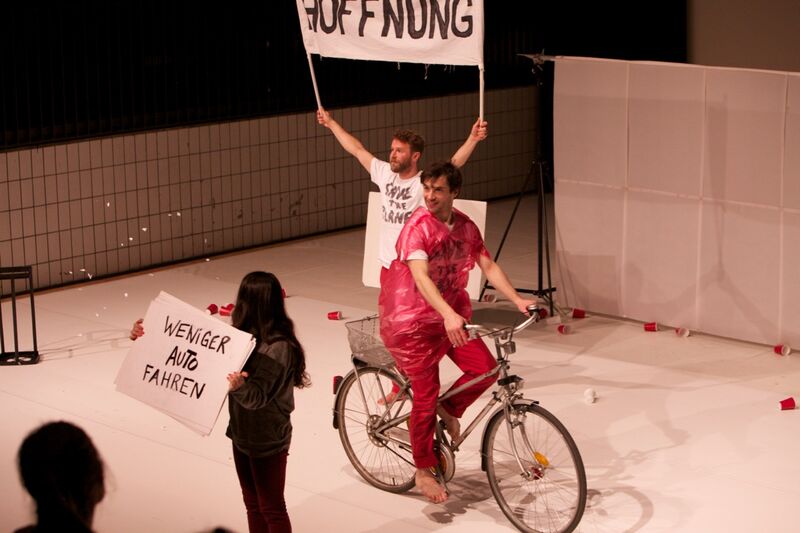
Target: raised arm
[[500, 281], [479, 131], [351, 145], [453, 322]]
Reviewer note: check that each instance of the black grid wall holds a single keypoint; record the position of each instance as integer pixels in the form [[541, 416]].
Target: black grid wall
[[100, 207]]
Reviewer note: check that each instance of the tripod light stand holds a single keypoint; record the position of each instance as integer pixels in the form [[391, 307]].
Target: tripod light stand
[[536, 172]]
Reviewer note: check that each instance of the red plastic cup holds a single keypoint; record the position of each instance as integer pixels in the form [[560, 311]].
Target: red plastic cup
[[335, 315], [782, 349], [490, 298], [788, 404], [564, 329], [212, 309], [651, 326], [578, 313], [226, 310], [682, 332]]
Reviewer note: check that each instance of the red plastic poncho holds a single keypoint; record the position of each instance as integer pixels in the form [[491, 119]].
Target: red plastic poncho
[[411, 329]]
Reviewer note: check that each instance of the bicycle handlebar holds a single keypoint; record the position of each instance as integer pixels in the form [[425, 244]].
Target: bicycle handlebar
[[533, 317]]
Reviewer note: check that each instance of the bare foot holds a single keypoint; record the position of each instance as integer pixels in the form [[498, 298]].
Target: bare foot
[[451, 423], [393, 394], [430, 488]]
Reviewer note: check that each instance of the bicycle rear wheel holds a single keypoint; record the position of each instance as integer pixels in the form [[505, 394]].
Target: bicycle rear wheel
[[548, 493], [382, 457]]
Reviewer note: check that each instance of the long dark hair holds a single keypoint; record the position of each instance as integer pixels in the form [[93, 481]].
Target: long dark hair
[[261, 312], [63, 472]]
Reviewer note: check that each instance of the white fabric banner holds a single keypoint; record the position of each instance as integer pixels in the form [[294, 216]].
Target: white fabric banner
[[179, 366], [447, 32]]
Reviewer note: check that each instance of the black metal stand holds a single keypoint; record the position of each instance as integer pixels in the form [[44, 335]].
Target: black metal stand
[[17, 357], [543, 240]]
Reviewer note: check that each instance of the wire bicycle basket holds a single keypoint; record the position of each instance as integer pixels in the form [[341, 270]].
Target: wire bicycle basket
[[365, 342]]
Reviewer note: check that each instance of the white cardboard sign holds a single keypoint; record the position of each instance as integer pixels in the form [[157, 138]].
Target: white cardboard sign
[[180, 365]]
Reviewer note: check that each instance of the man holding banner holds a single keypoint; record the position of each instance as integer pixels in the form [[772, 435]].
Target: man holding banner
[[397, 179], [447, 32]]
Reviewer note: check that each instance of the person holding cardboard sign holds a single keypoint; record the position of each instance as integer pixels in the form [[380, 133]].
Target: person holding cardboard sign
[[261, 399]]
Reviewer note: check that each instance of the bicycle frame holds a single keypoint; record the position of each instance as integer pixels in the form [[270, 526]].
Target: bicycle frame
[[505, 392], [522, 471]]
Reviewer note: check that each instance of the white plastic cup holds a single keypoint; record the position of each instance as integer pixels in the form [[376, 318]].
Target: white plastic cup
[[782, 349], [589, 395]]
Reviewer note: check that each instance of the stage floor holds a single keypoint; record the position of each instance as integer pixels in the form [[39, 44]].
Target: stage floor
[[686, 434]]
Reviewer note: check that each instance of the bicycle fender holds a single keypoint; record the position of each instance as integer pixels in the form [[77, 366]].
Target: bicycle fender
[[499, 412], [336, 399]]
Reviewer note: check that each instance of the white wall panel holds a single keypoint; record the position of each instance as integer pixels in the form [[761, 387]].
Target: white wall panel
[[666, 128], [661, 258], [790, 280], [589, 245], [700, 226], [744, 135], [791, 167], [739, 267], [590, 121]]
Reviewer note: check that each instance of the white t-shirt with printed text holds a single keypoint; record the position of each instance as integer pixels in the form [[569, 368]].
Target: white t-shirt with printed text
[[399, 198]]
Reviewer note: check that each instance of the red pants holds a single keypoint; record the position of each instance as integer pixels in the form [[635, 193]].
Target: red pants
[[473, 359], [384, 271], [262, 480]]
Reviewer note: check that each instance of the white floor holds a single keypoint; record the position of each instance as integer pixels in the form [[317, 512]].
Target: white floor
[[686, 434]]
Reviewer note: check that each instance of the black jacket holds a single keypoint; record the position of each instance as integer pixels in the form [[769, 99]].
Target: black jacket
[[259, 410]]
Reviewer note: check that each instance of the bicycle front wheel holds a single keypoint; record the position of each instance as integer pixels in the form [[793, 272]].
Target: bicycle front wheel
[[535, 470], [379, 450]]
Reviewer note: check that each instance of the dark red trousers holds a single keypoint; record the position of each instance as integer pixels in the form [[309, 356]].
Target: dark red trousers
[[262, 480], [473, 359], [384, 271]]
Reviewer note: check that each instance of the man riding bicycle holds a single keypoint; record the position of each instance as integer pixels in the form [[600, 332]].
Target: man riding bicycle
[[423, 307]]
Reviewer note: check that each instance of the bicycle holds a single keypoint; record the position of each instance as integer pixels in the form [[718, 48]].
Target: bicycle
[[533, 465]]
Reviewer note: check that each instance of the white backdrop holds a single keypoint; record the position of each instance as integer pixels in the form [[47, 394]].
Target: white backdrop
[[678, 195]]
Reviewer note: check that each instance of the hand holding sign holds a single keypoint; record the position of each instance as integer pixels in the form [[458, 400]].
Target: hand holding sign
[[137, 330], [236, 380], [480, 130], [323, 117]]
